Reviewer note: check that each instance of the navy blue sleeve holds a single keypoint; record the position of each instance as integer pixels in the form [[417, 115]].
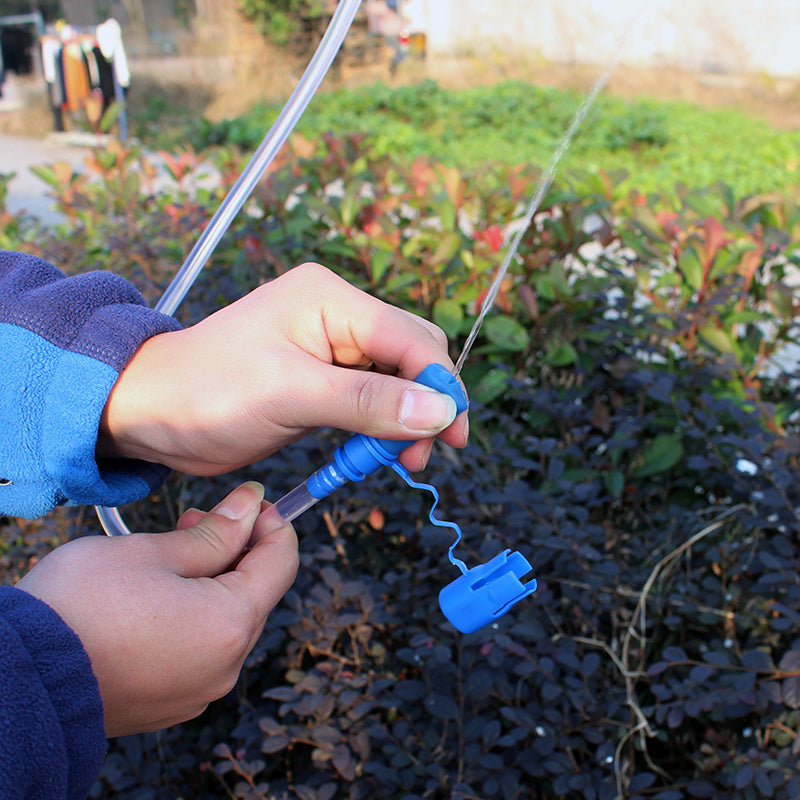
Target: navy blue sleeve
[[52, 738], [63, 343]]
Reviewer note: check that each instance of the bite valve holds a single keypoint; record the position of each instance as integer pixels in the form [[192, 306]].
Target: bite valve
[[487, 591], [362, 455]]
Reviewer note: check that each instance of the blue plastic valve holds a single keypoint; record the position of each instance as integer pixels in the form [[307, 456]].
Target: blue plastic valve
[[482, 593], [362, 455], [486, 591]]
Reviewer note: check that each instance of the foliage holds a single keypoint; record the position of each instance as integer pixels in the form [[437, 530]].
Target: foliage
[[660, 143], [632, 435], [278, 19]]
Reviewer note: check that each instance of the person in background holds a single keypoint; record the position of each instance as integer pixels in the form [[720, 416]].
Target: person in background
[[385, 19], [100, 397]]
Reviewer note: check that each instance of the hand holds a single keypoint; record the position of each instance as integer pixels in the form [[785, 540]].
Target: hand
[[167, 619], [304, 350]]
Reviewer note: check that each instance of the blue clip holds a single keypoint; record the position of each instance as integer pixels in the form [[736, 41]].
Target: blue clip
[[486, 592]]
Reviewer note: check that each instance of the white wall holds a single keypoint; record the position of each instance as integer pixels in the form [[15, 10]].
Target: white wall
[[734, 36]]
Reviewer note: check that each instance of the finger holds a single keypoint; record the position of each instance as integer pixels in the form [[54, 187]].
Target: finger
[[415, 457], [397, 341], [189, 517], [267, 571], [215, 540], [356, 326]]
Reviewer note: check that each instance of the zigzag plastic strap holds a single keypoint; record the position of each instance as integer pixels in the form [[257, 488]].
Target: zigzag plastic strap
[[403, 473]]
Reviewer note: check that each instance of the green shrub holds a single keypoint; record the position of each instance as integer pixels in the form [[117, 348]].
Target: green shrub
[[627, 436], [660, 144]]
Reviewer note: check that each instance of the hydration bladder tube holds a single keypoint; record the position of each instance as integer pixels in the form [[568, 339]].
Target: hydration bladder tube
[[318, 67]]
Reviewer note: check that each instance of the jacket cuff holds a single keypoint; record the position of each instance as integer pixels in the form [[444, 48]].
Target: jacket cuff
[[50, 701], [63, 343]]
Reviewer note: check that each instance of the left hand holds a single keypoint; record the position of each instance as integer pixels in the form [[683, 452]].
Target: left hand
[[168, 619], [304, 350]]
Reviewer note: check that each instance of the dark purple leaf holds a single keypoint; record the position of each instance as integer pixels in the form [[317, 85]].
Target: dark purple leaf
[[758, 660], [772, 691], [274, 744], [701, 789], [286, 694], [344, 762], [675, 716], [674, 654], [441, 706], [717, 658], [642, 781], [326, 791], [701, 672], [763, 783], [791, 691], [745, 775], [790, 661], [270, 726]]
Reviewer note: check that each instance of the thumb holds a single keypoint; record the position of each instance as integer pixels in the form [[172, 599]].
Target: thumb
[[216, 538], [374, 404]]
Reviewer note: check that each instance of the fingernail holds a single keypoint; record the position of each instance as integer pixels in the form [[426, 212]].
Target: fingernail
[[426, 410], [241, 501]]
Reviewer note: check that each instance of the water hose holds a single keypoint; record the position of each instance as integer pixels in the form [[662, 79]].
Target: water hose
[[317, 69]]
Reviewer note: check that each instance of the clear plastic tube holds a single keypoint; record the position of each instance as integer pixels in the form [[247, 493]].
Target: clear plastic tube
[[318, 67], [289, 507], [263, 157]]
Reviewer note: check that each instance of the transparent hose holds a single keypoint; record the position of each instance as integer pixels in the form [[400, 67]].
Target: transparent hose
[[328, 47]]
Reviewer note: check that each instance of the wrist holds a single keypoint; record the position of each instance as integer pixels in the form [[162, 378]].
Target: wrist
[[135, 420]]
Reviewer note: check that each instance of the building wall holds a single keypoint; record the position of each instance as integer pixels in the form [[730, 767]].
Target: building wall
[[734, 36], [728, 36]]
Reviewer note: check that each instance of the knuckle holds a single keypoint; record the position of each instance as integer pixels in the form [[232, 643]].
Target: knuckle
[[311, 270], [368, 396], [225, 684]]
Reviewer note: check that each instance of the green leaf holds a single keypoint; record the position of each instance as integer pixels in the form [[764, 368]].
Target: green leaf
[[110, 116], [691, 268], [720, 340], [614, 482], [663, 453], [560, 355], [380, 263], [447, 248], [507, 333], [491, 386], [544, 287], [448, 315], [46, 174], [559, 278], [350, 204]]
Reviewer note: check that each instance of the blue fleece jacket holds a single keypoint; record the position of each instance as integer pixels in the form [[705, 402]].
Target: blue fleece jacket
[[63, 342], [52, 740]]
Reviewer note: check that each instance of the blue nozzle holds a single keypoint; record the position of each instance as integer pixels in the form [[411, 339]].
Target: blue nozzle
[[486, 592], [362, 455]]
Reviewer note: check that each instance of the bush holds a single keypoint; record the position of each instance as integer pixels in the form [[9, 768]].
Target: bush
[[627, 437], [660, 144]]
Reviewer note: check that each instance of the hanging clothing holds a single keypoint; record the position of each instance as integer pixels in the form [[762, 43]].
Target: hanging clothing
[[86, 70], [77, 85], [109, 39]]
